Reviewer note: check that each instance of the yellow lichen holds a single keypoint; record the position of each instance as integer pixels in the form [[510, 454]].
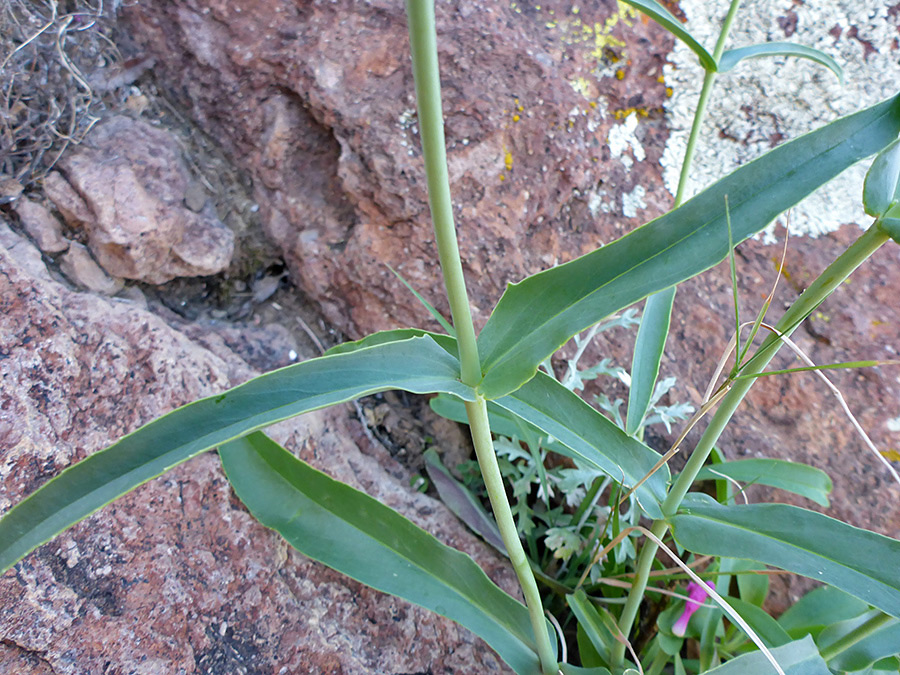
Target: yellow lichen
[[508, 160]]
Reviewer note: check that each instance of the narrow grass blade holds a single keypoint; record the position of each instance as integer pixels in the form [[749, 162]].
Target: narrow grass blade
[[732, 57], [360, 537], [417, 365], [856, 561], [797, 658], [665, 18], [431, 309], [538, 315], [589, 437], [827, 366], [801, 479], [648, 350]]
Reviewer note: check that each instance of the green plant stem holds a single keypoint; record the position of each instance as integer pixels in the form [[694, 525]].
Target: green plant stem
[[659, 528], [423, 44], [708, 80], [493, 482], [859, 633], [833, 276]]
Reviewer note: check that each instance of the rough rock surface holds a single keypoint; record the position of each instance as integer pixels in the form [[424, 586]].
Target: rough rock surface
[[177, 577], [126, 187], [321, 112], [41, 225]]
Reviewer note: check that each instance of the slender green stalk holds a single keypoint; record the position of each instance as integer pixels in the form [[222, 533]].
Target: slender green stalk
[[645, 561], [493, 481], [708, 80], [833, 276], [858, 634], [423, 42]]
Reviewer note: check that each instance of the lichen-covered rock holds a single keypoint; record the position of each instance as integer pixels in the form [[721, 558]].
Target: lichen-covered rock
[[177, 577], [125, 186]]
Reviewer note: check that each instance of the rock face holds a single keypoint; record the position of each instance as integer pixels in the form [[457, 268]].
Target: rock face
[[555, 129], [321, 112], [126, 187], [177, 577]]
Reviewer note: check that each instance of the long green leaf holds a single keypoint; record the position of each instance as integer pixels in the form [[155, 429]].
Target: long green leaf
[[360, 537], [591, 622], [648, 350], [856, 561], [759, 620], [817, 609], [801, 479], [538, 315], [732, 57], [418, 365], [797, 658], [664, 17], [462, 502], [589, 437]]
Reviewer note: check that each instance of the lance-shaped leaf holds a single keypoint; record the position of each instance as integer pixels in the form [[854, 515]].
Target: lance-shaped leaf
[[732, 57], [360, 537], [648, 350], [859, 562], [418, 365], [586, 435], [538, 315], [667, 20], [882, 187], [801, 479], [797, 658], [598, 631], [459, 499]]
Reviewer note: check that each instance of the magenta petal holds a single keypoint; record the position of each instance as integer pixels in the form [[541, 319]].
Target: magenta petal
[[697, 595]]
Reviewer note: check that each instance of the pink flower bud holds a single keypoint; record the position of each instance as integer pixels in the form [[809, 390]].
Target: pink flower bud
[[697, 595]]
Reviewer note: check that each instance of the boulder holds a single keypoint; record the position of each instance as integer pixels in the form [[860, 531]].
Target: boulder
[[125, 187]]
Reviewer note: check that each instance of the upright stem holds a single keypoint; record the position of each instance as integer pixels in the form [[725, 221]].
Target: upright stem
[[648, 552], [833, 276], [423, 42], [858, 634]]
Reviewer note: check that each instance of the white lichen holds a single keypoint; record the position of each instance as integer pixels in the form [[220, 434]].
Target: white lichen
[[633, 201], [764, 102], [622, 137]]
